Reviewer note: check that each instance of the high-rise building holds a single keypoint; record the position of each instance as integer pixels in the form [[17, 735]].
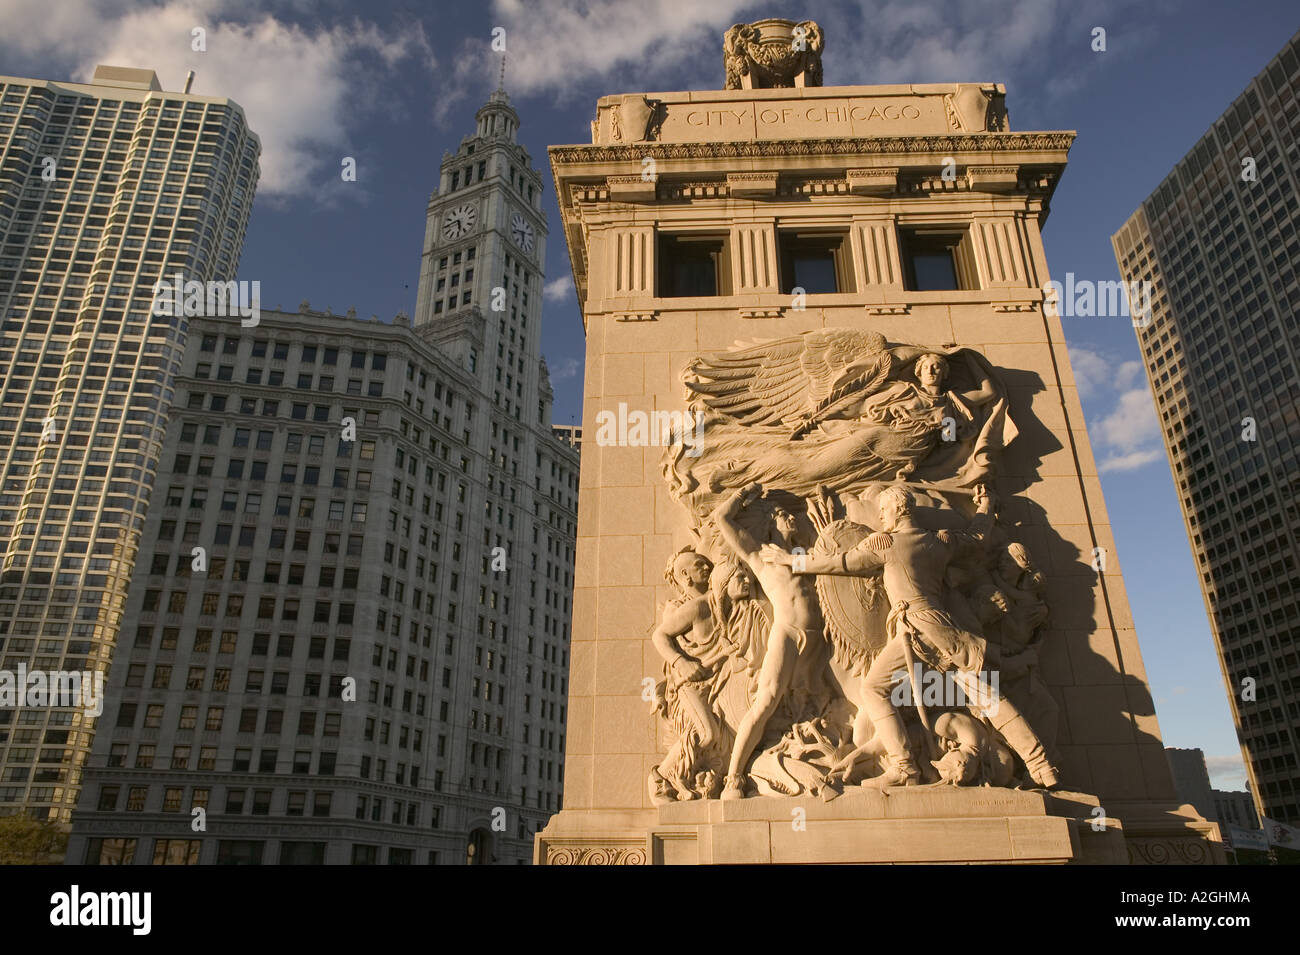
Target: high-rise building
[[571, 434], [480, 296], [373, 666], [1217, 241], [1192, 779], [1235, 809], [106, 188]]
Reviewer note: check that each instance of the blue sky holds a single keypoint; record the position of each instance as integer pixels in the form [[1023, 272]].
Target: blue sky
[[395, 84]]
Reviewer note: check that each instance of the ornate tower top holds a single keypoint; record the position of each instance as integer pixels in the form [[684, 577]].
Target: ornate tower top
[[497, 118], [773, 54]]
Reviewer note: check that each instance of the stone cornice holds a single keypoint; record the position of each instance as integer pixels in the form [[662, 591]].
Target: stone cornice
[[878, 145]]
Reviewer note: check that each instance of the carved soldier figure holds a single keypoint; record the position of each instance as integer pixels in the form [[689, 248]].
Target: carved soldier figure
[[1021, 679], [912, 562]]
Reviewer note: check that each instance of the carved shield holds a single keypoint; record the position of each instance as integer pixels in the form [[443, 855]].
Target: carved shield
[[636, 112], [855, 608]]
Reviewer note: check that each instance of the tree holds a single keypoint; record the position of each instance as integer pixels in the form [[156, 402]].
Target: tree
[[28, 841]]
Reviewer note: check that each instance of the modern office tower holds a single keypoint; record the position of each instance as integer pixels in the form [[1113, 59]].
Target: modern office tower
[[105, 188], [423, 557], [1217, 241]]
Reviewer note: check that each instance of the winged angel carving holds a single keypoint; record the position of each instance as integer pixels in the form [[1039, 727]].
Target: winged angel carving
[[836, 407], [848, 588]]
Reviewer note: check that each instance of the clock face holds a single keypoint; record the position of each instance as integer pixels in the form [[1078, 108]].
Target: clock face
[[521, 231], [459, 221]]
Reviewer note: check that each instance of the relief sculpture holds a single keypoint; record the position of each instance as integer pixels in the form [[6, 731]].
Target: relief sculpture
[[850, 611]]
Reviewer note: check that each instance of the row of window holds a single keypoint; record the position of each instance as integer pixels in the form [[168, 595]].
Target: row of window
[[122, 851], [279, 351], [128, 715], [255, 681], [934, 258], [297, 803]]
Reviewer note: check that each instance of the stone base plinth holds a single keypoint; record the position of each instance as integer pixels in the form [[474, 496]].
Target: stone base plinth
[[906, 825]]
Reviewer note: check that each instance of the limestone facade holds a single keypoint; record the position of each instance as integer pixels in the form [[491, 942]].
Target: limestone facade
[[873, 174]]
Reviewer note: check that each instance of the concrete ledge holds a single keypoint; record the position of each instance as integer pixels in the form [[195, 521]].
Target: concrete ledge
[[924, 825]]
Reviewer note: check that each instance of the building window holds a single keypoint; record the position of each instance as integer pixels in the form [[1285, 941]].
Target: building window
[[818, 263], [937, 259], [239, 852], [176, 852], [302, 853], [693, 265], [365, 854], [110, 851]]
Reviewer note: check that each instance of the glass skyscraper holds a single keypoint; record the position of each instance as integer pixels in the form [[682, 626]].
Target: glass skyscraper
[[1217, 240], [105, 188]]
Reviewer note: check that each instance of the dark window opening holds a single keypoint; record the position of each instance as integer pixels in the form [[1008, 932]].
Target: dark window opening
[[817, 264], [693, 266], [937, 260]]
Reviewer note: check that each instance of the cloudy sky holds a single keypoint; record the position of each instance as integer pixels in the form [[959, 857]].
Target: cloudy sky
[[395, 84]]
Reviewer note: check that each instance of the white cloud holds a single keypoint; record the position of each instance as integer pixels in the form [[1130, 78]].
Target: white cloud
[[566, 368], [1133, 422], [299, 86], [1090, 369], [1127, 375], [906, 41], [1129, 462], [576, 48], [558, 44], [1125, 432], [558, 288], [1226, 770]]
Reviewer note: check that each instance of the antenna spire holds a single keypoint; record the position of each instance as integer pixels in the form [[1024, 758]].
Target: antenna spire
[[501, 80]]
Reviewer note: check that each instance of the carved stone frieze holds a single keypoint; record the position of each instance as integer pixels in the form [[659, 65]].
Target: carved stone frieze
[[887, 145], [1168, 851], [595, 855], [850, 609]]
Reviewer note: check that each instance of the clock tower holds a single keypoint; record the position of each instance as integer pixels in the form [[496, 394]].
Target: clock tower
[[480, 296]]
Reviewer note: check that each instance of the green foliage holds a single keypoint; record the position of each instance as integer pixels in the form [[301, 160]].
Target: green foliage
[[28, 841]]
